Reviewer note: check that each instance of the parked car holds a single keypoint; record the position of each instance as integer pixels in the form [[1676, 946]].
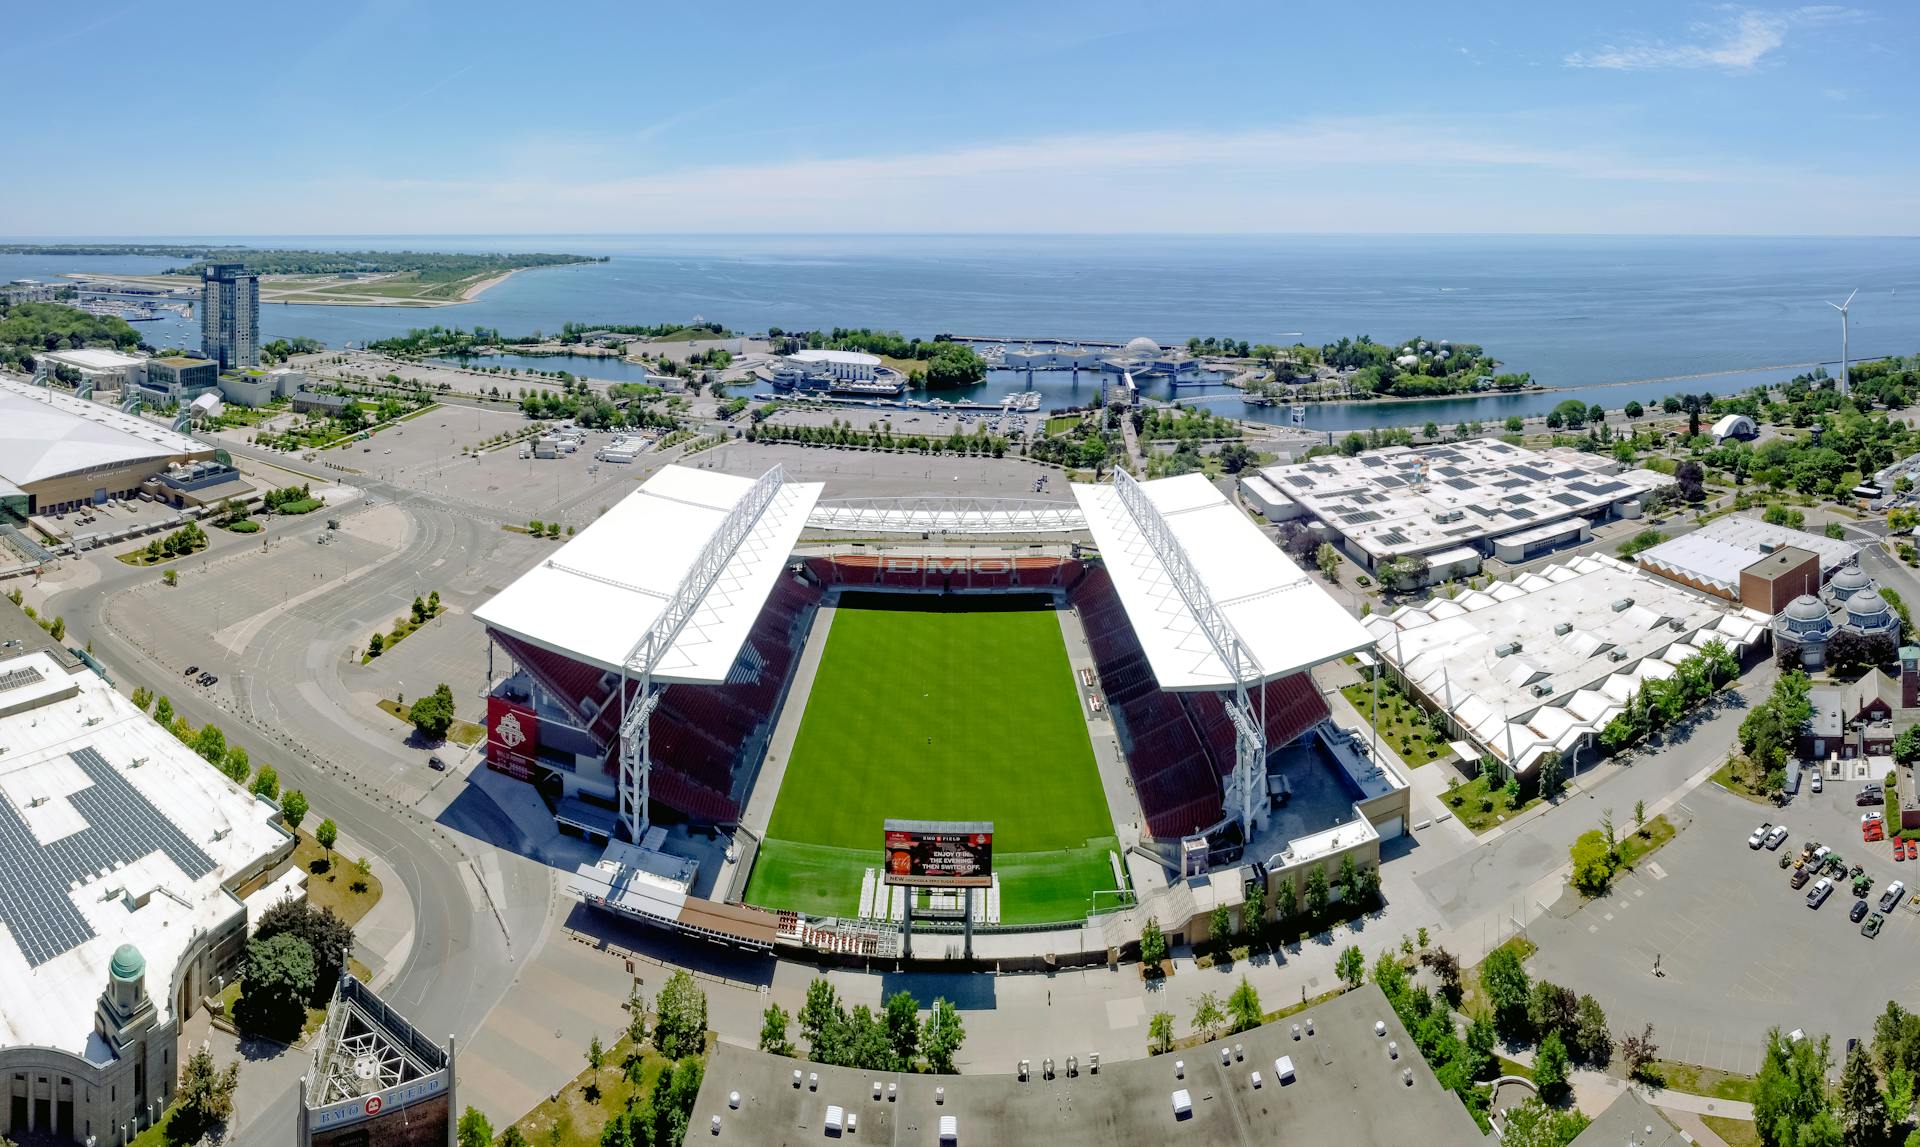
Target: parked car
[[1869, 817], [1800, 878], [1873, 796], [1777, 837], [1759, 836], [1815, 783], [1890, 899], [1817, 895], [1858, 911], [1872, 927], [191, 670], [434, 762]]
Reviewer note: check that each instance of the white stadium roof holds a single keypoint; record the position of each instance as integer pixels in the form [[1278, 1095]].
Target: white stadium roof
[[46, 433], [1285, 621], [1716, 552], [599, 594]]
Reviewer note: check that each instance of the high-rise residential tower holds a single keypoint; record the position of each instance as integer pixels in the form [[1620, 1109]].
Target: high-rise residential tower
[[230, 316]]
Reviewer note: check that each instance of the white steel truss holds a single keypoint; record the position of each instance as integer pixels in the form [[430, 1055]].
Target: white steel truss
[[1246, 792], [922, 515], [636, 752]]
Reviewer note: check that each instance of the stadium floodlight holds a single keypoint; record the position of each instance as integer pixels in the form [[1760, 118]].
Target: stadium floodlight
[[1845, 382]]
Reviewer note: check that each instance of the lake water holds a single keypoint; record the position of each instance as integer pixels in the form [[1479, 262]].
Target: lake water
[[1575, 311]]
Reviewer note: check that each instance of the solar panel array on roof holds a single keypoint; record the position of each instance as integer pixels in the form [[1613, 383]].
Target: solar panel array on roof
[[1509, 483], [1568, 499], [1611, 487], [1450, 471], [1370, 460], [122, 827], [1390, 481], [1462, 532], [15, 678], [1360, 517], [1460, 483], [1299, 480], [1530, 472], [1393, 538], [1520, 513]]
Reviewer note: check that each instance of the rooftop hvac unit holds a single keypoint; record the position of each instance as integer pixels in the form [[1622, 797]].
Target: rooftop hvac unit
[[1767, 547], [1506, 649], [1542, 689], [1617, 655], [1620, 605], [1561, 629], [1445, 516]]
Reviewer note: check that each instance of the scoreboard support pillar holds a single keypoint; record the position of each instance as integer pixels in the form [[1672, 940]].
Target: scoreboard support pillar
[[966, 929], [966, 926]]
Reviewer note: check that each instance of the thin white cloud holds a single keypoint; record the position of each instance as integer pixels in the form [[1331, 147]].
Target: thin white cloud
[[1740, 42]]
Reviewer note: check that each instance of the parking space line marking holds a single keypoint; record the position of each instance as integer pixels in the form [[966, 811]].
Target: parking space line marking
[[1607, 916]]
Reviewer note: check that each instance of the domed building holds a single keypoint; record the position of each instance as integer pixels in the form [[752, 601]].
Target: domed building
[[1850, 604], [1144, 358]]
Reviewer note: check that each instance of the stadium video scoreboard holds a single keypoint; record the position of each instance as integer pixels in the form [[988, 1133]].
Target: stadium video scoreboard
[[939, 853]]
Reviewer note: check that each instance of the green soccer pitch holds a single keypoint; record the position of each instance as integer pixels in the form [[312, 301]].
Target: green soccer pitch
[[941, 709]]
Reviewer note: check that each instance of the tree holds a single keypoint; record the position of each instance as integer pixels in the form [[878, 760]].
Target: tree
[[205, 1097], [1327, 558], [680, 1023], [142, 698], [1506, 984], [596, 1059], [511, 1137], [171, 577], [1534, 1124], [327, 834], [1243, 1007], [432, 715], [1220, 924], [419, 609], [1317, 892], [1633, 409], [1207, 1016], [902, 1017], [329, 937], [1254, 912], [1160, 1033], [1863, 1110], [636, 1006], [237, 765], [867, 1043], [275, 984], [1592, 1041], [433, 599], [672, 1103], [293, 807], [1552, 1008], [475, 1131], [823, 1023], [211, 744], [163, 713], [1550, 779], [267, 783], [1690, 480], [1592, 863], [941, 1036], [1790, 1104], [1551, 1068], [1482, 1038], [1351, 966], [1445, 967], [375, 645], [1637, 1053], [1153, 944], [1898, 1096], [773, 1031]]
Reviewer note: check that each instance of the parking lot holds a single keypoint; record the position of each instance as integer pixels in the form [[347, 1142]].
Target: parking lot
[[1738, 948]]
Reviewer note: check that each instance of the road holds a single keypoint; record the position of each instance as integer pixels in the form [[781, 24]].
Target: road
[[290, 707]]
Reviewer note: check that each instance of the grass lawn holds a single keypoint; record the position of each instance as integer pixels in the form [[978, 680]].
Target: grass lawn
[[302, 506], [941, 714], [574, 1119], [139, 557], [1063, 423], [1733, 778], [460, 732], [1637, 845], [1705, 1081], [1480, 807], [1737, 1132], [1403, 724], [333, 888], [244, 526]]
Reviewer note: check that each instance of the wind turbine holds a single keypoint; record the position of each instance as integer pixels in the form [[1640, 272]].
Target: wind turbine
[[1842, 308]]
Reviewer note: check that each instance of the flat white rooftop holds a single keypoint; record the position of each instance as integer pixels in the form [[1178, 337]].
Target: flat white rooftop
[[111, 832], [1404, 501], [92, 359], [599, 594], [1286, 620], [1716, 552], [47, 433], [845, 357]]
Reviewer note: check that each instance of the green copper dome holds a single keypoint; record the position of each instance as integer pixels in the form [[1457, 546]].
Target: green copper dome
[[128, 963]]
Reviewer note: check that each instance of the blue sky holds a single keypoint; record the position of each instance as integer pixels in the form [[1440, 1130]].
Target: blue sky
[[488, 117]]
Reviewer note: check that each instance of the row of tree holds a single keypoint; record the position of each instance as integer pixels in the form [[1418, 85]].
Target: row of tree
[[1660, 703], [895, 1038], [978, 443]]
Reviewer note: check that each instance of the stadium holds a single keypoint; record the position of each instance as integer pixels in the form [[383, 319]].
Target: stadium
[[795, 721]]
